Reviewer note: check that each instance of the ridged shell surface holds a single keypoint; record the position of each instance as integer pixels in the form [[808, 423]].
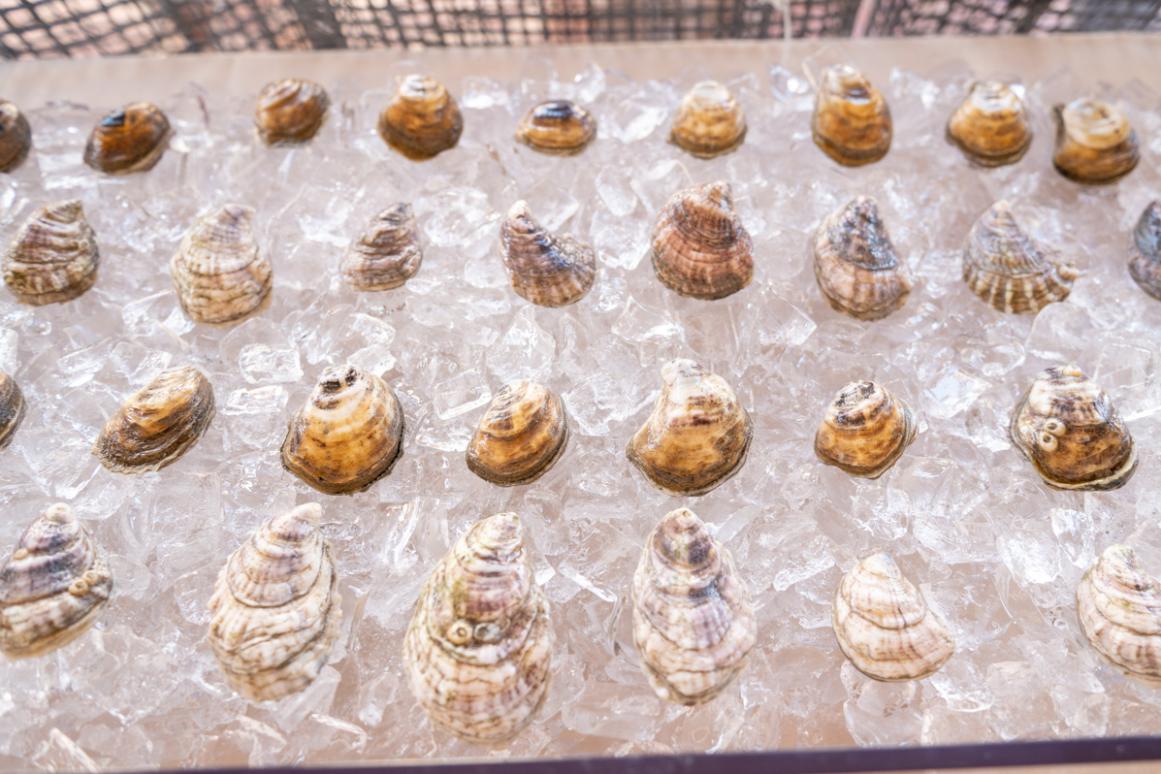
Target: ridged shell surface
[[709, 122], [521, 435], [218, 272], [54, 257], [855, 263], [15, 136], [290, 111], [865, 430], [1094, 142], [991, 125], [422, 120], [12, 408], [851, 123], [130, 139], [700, 247], [545, 268], [386, 254], [1145, 260], [557, 127], [1119, 608]]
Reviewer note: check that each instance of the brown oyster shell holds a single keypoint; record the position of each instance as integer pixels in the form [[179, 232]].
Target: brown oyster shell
[[290, 111], [422, 120], [559, 127], [855, 263], [521, 435], [12, 409], [218, 272], [1094, 142], [386, 254], [1119, 608], [709, 122], [851, 123], [544, 268], [1145, 260], [991, 125], [130, 139], [15, 136], [865, 430], [54, 257], [700, 247]]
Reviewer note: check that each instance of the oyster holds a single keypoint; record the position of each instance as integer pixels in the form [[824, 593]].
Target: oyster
[[692, 620], [387, 254], [855, 263], [422, 119], [348, 435], [1094, 142], [15, 136], [157, 424], [700, 247], [478, 650], [697, 435], [991, 125], [546, 269], [883, 625], [865, 430], [290, 111], [131, 139], [11, 408], [54, 257], [709, 122], [851, 123], [520, 436], [1145, 264], [276, 607], [559, 127], [219, 275], [1069, 429], [1119, 607], [53, 585]]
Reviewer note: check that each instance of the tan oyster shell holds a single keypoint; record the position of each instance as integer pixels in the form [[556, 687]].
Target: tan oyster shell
[[851, 123], [54, 257], [276, 608], [855, 263], [15, 136], [865, 430], [218, 272], [559, 127], [1145, 260], [521, 435], [709, 122], [130, 139], [883, 625], [12, 408], [1094, 142], [478, 650], [290, 111], [544, 268], [386, 254], [53, 586], [1070, 430], [1119, 607], [700, 247], [991, 125], [422, 120]]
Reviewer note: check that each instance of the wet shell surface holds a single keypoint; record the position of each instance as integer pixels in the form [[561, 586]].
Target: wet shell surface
[[692, 619], [883, 625], [709, 122], [991, 125], [865, 430], [12, 408], [1119, 608], [422, 119], [157, 424], [1145, 260], [544, 268], [348, 435], [53, 586], [700, 247], [698, 433], [559, 127], [851, 123], [218, 272], [290, 111], [478, 650], [1069, 429], [54, 257], [386, 254], [521, 435], [15, 136], [276, 608], [855, 263], [1094, 142], [131, 139]]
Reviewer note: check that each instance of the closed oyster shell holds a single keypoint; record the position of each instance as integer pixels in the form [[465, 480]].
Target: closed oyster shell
[[544, 268], [559, 127], [130, 139], [1069, 429], [348, 435], [700, 247], [387, 254], [521, 435], [422, 120], [53, 586], [54, 257], [709, 122], [218, 272], [991, 125], [1094, 142], [290, 111], [697, 435], [12, 409], [851, 123], [15, 136], [478, 650], [692, 619], [1119, 607], [1145, 263], [276, 608], [883, 625], [865, 430], [855, 263]]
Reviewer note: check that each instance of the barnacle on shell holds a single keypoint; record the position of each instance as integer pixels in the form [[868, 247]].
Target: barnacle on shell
[[422, 120], [521, 435], [855, 263], [1094, 142], [851, 123], [15, 136], [130, 139], [54, 257], [865, 430], [386, 254], [1145, 260], [991, 125], [558, 127], [545, 268], [1119, 608], [290, 111], [709, 122], [700, 247]]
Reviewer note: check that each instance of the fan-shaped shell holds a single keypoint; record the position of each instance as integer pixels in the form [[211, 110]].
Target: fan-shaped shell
[[1094, 142], [559, 127], [855, 263], [700, 247], [54, 257], [883, 625], [521, 435], [12, 408], [422, 120], [709, 122], [1070, 430], [544, 268], [851, 123], [478, 650], [276, 608], [1119, 607], [53, 586], [387, 254], [218, 272], [991, 125], [130, 139], [290, 111], [15, 136], [865, 430], [1145, 263], [348, 435]]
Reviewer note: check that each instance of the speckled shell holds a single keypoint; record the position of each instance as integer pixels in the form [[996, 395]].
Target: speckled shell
[[1119, 608], [12, 409], [218, 272], [698, 433], [422, 119], [521, 435], [290, 111], [709, 122], [544, 268], [692, 619], [851, 123], [855, 263], [15, 136], [387, 254], [157, 424], [348, 435], [1069, 429], [478, 651], [52, 587], [54, 257], [1145, 260], [1094, 142], [700, 247], [991, 125], [276, 608], [130, 139], [559, 127], [865, 430], [883, 625]]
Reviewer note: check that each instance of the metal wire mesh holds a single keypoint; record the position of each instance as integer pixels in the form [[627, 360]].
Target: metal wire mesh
[[991, 17]]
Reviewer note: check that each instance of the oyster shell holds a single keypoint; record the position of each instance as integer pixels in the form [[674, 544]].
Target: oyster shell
[[692, 619], [1069, 429], [700, 247], [546, 269], [697, 435], [290, 111], [422, 120], [865, 430], [130, 139], [1094, 142], [1145, 264], [157, 424], [709, 122], [559, 127], [12, 408], [219, 275], [15, 136], [53, 585], [855, 263], [851, 123], [521, 435], [276, 607], [883, 625], [991, 125], [478, 650], [1119, 607], [348, 435], [387, 254], [54, 257]]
